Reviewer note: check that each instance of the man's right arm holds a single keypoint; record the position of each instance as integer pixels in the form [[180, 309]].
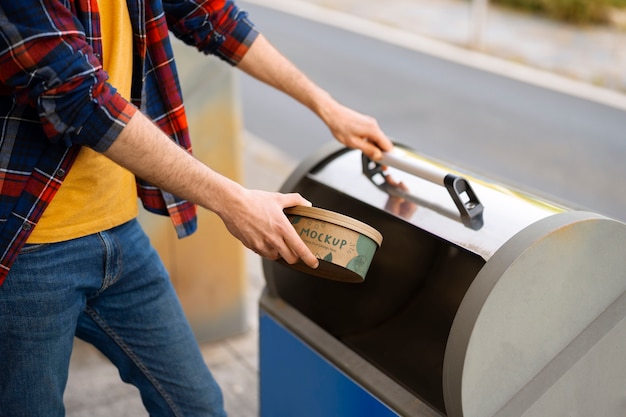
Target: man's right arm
[[254, 217]]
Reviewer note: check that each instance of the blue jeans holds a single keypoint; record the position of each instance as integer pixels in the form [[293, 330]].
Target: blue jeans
[[111, 290]]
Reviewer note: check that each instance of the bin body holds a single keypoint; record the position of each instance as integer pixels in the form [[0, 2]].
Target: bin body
[[441, 301], [300, 381]]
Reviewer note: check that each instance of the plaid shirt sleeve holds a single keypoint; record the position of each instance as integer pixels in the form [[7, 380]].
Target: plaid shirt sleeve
[[48, 64], [216, 27]]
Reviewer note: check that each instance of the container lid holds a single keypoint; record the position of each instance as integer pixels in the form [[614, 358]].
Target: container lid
[[338, 219]]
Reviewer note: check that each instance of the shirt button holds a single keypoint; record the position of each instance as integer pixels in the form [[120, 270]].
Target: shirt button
[[60, 173], [27, 226]]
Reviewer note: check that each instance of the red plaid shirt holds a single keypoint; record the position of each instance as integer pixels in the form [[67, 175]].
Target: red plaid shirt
[[54, 97]]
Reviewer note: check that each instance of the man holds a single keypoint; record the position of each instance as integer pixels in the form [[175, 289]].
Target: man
[[76, 148]]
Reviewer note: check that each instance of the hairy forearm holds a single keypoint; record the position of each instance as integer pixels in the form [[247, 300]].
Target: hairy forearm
[[268, 65], [146, 151], [254, 217], [349, 127]]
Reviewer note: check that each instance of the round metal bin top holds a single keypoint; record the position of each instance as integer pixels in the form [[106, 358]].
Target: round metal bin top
[[539, 320]]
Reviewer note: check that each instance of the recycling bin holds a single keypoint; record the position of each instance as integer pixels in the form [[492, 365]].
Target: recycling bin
[[481, 301]]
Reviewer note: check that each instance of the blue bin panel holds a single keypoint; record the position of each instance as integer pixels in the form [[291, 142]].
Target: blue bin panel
[[296, 381]]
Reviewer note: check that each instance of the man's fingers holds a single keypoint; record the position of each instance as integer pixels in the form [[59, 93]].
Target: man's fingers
[[306, 256], [372, 151], [296, 250], [295, 199]]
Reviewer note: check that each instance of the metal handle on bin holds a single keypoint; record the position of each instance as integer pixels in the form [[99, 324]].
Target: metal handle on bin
[[462, 194]]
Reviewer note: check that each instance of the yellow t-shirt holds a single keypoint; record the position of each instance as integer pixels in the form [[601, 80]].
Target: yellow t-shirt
[[97, 194]]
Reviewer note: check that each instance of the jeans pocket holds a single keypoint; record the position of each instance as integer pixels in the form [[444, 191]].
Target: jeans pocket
[[33, 247]]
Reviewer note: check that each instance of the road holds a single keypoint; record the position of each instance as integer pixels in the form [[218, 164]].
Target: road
[[564, 148]]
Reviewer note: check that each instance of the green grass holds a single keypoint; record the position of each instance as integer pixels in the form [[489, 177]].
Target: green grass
[[573, 11]]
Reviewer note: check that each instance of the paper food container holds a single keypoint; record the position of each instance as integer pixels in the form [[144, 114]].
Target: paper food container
[[344, 246]]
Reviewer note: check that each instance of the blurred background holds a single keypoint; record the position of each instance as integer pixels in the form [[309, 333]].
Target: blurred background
[[530, 93], [545, 114]]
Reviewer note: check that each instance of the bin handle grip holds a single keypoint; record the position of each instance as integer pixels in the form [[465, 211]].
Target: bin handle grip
[[464, 197]]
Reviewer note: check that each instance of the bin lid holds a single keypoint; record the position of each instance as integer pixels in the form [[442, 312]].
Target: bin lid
[[429, 206]]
